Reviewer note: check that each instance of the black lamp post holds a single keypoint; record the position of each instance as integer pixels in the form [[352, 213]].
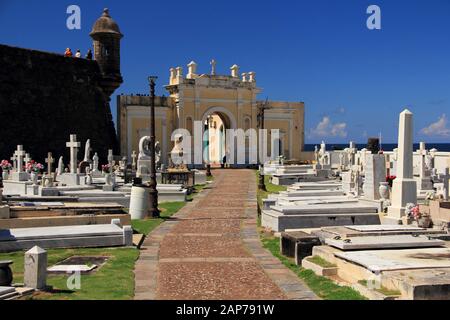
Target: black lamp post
[[208, 164], [261, 182], [153, 210]]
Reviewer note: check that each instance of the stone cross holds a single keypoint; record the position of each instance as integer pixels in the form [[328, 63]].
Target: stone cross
[[49, 161], [73, 145], [213, 67], [423, 153], [27, 158], [133, 161], [14, 162], [110, 160], [19, 154]]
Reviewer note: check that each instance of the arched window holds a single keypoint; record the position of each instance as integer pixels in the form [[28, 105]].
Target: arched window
[[189, 125], [247, 124]]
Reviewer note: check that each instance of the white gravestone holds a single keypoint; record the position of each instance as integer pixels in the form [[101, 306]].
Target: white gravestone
[[19, 174], [375, 172], [74, 146], [144, 159], [87, 151], [60, 169], [35, 275], [424, 180], [404, 188], [72, 178]]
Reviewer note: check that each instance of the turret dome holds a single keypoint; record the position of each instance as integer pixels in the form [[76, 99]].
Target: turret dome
[[105, 24]]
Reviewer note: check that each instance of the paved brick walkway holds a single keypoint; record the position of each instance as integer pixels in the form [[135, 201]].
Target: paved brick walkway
[[211, 250]]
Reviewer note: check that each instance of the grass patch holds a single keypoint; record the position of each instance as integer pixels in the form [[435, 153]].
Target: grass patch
[[210, 178], [321, 262], [323, 287], [168, 209], [271, 188], [383, 290], [113, 281]]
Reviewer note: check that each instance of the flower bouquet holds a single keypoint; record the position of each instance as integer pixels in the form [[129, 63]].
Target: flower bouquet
[[33, 166], [413, 211], [106, 168], [5, 165], [390, 180]]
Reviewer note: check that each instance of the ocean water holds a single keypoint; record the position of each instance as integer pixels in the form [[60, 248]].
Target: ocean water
[[385, 147]]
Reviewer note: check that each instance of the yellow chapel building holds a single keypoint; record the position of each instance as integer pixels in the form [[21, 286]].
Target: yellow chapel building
[[219, 101]]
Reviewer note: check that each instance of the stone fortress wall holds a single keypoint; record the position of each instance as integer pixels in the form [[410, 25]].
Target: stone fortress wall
[[45, 97]]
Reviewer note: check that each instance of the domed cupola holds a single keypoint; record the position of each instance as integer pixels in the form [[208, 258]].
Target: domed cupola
[[106, 35]]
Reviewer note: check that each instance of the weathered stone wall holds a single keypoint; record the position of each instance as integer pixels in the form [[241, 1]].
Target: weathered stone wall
[[45, 97]]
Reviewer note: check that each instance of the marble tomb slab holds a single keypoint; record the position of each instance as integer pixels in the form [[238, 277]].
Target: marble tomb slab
[[386, 260], [341, 208], [384, 227], [349, 231], [6, 290], [384, 242], [312, 193], [71, 268], [59, 232], [87, 236]]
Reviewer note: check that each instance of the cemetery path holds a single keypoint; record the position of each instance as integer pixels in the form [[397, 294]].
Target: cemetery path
[[212, 250]]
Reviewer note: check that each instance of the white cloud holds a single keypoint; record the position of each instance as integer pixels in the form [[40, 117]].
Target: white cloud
[[326, 128], [438, 128]]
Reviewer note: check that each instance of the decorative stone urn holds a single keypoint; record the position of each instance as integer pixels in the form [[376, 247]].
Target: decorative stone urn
[[5, 175], [384, 190], [424, 222], [47, 181], [108, 179], [34, 177], [6, 276]]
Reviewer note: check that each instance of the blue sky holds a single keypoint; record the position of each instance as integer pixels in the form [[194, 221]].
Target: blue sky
[[353, 80]]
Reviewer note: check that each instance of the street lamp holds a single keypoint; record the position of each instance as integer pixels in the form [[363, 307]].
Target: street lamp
[[261, 110], [208, 164], [153, 210]]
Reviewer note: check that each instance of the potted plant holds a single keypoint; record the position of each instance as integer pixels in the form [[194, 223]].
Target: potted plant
[[6, 167], [423, 220], [34, 168]]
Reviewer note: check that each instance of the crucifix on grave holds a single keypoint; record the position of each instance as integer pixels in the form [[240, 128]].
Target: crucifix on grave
[[27, 158], [19, 154], [133, 160], [19, 174], [49, 161], [74, 146], [47, 180], [424, 174], [14, 163]]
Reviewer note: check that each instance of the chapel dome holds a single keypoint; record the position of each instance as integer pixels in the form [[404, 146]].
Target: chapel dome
[[105, 24]]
